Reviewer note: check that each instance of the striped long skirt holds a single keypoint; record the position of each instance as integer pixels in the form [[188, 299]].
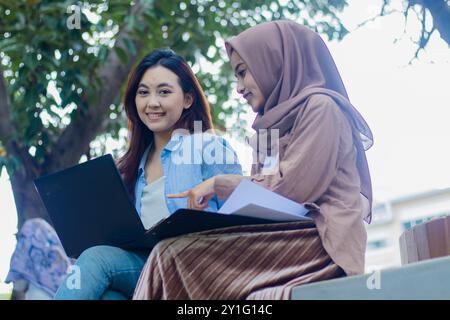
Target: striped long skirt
[[243, 262]]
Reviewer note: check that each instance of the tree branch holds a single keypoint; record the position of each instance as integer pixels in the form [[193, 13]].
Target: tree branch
[[75, 139], [424, 34], [440, 11], [383, 12]]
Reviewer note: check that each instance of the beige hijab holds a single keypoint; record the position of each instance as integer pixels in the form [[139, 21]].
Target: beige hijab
[[290, 63]]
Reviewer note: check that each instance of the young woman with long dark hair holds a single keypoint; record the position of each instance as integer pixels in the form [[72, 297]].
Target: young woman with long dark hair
[[170, 132]]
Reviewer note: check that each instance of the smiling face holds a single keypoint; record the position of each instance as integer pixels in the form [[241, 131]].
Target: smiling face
[[246, 84], [160, 100]]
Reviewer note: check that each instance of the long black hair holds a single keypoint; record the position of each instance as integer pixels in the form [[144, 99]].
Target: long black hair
[[139, 135]]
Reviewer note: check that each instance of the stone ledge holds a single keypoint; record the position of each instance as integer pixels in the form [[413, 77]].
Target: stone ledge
[[426, 280]]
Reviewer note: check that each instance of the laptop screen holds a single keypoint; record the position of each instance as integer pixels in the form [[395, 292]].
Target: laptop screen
[[89, 205]]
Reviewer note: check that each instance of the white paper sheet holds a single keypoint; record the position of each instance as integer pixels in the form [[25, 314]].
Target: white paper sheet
[[250, 199]]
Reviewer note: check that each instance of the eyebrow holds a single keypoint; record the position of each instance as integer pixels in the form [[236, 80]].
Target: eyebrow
[[164, 84]]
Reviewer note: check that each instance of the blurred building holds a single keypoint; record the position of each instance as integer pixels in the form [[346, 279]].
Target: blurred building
[[393, 217]]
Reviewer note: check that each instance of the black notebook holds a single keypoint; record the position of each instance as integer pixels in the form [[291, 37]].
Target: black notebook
[[89, 205]]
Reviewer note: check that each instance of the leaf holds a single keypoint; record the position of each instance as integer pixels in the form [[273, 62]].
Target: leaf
[[6, 44], [83, 80], [103, 53], [130, 46], [131, 22], [21, 21], [2, 151], [30, 60], [122, 54]]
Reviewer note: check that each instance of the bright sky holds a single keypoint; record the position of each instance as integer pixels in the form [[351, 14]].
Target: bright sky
[[406, 106]]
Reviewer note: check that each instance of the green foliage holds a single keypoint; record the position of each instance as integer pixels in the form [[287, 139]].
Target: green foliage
[[2, 157], [5, 296], [52, 71]]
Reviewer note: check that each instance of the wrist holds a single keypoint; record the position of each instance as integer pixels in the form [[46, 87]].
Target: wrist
[[213, 183]]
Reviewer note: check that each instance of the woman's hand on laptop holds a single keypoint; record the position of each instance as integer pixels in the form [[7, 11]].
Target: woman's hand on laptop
[[198, 196]]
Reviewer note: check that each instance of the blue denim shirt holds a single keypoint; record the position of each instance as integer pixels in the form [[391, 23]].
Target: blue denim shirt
[[187, 160]]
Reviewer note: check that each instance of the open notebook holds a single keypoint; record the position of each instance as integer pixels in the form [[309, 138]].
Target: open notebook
[[252, 200]]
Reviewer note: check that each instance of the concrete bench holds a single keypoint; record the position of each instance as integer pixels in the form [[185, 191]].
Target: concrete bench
[[425, 280]]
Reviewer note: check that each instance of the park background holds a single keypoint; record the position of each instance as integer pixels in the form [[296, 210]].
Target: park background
[[400, 88]]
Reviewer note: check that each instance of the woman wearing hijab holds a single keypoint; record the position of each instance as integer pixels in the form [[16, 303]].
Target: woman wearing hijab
[[287, 75]]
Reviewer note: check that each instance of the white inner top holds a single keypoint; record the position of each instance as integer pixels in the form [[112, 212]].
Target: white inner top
[[153, 203]]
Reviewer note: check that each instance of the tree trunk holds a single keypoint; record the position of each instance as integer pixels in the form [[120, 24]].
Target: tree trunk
[[28, 202], [440, 11]]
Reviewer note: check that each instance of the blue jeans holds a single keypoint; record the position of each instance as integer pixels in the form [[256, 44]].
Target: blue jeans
[[105, 273]]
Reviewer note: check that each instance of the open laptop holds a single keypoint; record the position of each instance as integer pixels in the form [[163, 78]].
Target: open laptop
[[89, 205]]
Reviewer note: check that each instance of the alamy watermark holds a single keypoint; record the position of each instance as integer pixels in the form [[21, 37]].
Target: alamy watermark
[[206, 147], [374, 280], [74, 19], [73, 279]]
